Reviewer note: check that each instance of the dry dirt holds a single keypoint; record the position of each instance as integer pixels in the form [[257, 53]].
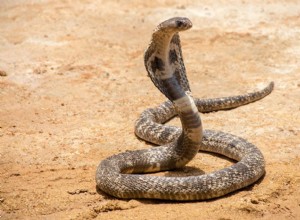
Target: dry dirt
[[72, 83]]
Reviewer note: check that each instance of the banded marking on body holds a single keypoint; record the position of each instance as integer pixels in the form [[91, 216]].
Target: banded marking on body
[[185, 141]]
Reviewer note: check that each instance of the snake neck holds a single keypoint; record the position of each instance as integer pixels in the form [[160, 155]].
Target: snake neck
[[189, 117], [189, 143], [192, 131], [157, 56], [162, 59]]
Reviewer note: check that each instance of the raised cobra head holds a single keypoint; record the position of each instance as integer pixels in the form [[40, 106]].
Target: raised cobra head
[[163, 57]]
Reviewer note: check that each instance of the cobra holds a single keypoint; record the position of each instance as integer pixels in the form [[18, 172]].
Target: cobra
[[123, 175]]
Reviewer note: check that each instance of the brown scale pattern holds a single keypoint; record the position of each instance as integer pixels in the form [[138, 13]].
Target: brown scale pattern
[[114, 174]]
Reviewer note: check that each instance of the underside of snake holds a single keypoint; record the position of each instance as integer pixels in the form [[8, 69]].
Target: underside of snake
[[122, 175]]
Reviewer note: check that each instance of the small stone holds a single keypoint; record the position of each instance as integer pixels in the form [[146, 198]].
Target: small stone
[[254, 201], [39, 70], [78, 191], [181, 7], [3, 73]]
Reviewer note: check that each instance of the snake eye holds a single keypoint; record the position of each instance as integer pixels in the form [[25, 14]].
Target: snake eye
[[179, 23]]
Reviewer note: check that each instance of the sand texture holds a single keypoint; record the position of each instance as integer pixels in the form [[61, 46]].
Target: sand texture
[[73, 82]]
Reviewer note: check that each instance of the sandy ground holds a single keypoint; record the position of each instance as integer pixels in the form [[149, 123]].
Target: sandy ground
[[73, 82]]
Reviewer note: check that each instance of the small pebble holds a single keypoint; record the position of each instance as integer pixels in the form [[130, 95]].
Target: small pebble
[[254, 201], [77, 191], [3, 73]]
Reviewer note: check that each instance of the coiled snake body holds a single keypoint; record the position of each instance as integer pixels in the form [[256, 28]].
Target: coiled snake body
[[121, 175]]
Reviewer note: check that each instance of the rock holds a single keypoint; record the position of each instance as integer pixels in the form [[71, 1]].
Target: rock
[[3, 73]]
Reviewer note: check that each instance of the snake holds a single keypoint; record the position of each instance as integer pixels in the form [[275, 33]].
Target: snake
[[124, 175]]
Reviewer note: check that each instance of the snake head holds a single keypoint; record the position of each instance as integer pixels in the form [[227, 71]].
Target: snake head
[[163, 57], [175, 24]]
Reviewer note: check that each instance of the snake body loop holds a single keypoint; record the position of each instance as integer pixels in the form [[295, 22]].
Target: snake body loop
[[122, 176]]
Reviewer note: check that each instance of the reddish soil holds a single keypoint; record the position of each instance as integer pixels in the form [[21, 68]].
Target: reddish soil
[[72, 83]]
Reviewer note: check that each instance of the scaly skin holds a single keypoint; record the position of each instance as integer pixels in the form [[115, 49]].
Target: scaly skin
[[149, 126], [164, 63]]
